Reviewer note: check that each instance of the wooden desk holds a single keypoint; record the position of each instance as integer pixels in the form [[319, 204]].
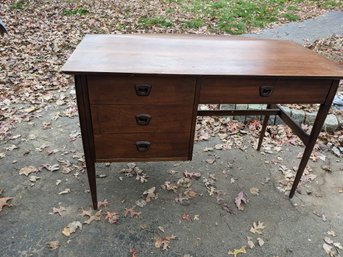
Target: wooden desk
[[138, 94]]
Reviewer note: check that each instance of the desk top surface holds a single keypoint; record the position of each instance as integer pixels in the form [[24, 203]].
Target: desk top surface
[[197, 55]]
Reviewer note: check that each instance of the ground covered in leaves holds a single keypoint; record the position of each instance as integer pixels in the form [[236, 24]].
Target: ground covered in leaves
[[219, 203]]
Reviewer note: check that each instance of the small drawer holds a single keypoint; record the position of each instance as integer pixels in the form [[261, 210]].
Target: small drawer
[[142, 146], [140, 89], [263, 90], [141, 118]]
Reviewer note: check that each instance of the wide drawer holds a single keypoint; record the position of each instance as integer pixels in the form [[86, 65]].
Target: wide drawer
[[141, 118], [261, 90], [142, 146], [140, 89]]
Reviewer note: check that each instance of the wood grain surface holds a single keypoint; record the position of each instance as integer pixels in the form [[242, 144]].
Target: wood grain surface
[[197, 55]]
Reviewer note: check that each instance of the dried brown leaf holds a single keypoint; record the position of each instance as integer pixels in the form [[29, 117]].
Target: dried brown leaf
[[54, 245], [149, 194], [235, 252], [71, 228], [257, 228], [28, 170], [241, 200], [112, 217], [164, 242], [3, 202], [131, 212]]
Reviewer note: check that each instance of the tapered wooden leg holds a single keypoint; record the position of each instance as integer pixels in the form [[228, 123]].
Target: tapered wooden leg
[[92, 181], [86, 133], [318, 123], [263, 130]]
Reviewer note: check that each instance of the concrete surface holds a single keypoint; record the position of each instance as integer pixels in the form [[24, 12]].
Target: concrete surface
[[306, 31], [293, 227]]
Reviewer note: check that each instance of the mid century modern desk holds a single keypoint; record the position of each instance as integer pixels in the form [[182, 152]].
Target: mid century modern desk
[[138, 94]]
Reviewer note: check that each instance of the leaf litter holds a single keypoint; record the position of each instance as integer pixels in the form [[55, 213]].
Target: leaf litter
[[47, 76]]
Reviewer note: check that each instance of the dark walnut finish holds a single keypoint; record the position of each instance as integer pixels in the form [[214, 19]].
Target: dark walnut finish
[[138, 94]]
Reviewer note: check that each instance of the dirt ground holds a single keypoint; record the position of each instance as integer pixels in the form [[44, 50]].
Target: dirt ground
[[201, 213]]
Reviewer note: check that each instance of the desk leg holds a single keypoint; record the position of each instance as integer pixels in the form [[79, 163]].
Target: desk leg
[[86, 133], [318, 123], [263, 130]]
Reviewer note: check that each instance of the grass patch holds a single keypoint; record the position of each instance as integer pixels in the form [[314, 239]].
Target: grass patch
[[77, 11], [329, 4], [291, 17], [18, 5], [193, 24], [160, 21], [231, 16]]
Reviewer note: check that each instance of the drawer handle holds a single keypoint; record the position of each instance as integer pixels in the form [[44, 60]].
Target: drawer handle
[[266, 91], [143, 119], [143, 146], [143, 89]]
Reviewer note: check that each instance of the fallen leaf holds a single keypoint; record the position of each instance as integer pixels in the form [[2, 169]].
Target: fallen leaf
[[254, 191], [329, 250], [131, 212], [169, 186], [190, 193], [186, 217], [326, 168], [65, 191], [60, 210], [102, 204], [27, 170], [133, 252], [149, 194], [3, 202], [112, 217], [86, 212], [183, 200], [164, 242], [140, 203], [235, 252], [331, 233], [71, 228], [240, 200], [54, 245], [161, 228], [191, 175], [250, 243], [49, 167], [210, 161], [328, 240], [260, 241], [34, 178], [257, 228], [338, 245], [96, 216]]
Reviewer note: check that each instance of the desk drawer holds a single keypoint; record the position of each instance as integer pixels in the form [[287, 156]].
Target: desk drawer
[[140, 90], [141, 118], [147, 146], [259, 90]]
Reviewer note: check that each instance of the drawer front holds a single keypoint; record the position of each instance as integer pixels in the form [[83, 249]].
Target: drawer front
[[142, 146], [141, 118], [259, 90], [140, 90]]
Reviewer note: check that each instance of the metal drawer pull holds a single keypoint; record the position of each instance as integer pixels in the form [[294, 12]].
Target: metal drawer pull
[[266, 91], [143, 119], [143, 146], [143, 89]]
